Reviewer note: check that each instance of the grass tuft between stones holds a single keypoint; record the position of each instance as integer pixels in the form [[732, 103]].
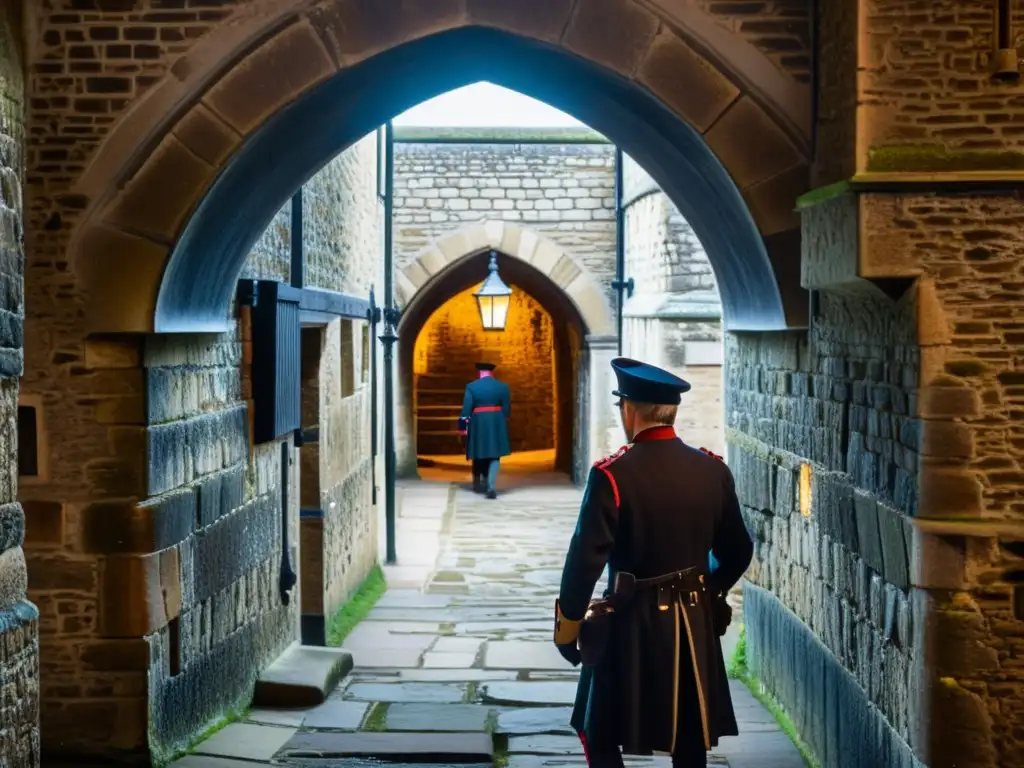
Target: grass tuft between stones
[[377, 720], [738, 670], [234, 715], [500, 742], [357, 608]]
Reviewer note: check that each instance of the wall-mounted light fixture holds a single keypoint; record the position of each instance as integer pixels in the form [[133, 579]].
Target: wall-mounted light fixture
[[805, 490], [493, 298]]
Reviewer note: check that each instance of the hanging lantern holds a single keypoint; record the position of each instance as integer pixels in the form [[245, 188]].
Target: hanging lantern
[[493, 298]]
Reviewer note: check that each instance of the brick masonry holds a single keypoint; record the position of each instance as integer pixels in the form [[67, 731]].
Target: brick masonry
[[451, 342], [19, 646], [563, 191]]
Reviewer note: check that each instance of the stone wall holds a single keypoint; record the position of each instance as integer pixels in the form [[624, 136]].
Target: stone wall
[[19, 649], [452, 340], [912, 120], [158, 578], [970, 473], [841, 399], [673, 318], [342, 240], [564, 191]]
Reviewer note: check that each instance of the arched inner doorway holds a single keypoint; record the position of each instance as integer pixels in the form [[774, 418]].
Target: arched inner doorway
[[540, 355]]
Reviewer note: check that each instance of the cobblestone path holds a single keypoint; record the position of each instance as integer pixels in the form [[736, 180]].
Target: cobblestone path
[[464, 670]]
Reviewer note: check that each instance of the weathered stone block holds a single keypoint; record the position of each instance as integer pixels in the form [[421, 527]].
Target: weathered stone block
[[121, 527], [685, 81], [936, 562], [13, 577], [615, 33], [948, 492], [12, 526], [235, 544], [868, 534], [181, 451], [290, 63], [139, 594], [892, 532], [220, 494]]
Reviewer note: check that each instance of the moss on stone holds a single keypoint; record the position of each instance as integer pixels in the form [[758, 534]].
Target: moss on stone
[[821, 194], [934, 158], [377, 720], [355, 610], [738, 670]]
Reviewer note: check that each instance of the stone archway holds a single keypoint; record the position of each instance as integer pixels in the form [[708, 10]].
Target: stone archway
[[543, 254], [175, 203], [561, 284]]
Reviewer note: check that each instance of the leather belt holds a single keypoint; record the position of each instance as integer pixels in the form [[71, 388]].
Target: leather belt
[[688, 583]]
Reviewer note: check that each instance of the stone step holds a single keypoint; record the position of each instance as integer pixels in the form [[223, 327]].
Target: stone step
[[447, 748], [302, 676], [439, 397], [444, 380]]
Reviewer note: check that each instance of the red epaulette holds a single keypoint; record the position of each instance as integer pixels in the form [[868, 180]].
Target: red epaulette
[[612, 458], [712, 454]]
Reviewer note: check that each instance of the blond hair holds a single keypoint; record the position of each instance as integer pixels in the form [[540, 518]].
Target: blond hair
[[654, 413]]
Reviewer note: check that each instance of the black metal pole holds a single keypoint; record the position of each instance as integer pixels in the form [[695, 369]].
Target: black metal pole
[[298, 260], [388, 338], [620, 246], [373, 317]]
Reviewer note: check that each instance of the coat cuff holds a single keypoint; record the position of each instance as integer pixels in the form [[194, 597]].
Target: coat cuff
[[566, 630]]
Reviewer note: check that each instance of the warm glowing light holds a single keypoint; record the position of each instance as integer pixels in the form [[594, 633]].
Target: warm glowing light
[[493, 298], [805, 490]]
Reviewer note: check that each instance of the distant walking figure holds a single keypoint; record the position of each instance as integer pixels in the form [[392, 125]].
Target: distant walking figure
[[485, 408]]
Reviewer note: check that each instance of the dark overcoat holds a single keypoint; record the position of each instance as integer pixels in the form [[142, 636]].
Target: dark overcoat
[[485, 408], [655, 507]]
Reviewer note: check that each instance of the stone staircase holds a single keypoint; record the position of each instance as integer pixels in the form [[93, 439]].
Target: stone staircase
[[438, 404]]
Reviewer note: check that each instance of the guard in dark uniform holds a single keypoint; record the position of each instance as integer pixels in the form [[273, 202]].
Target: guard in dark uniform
[[485, 408], [653, 676]]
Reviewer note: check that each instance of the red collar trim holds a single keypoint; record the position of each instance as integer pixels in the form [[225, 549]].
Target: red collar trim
[[655, 433]]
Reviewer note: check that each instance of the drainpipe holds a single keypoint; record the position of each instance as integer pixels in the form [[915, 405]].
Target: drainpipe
[[391, 317], [623, 287], [296, 278], [298, 257], [1006, 65]]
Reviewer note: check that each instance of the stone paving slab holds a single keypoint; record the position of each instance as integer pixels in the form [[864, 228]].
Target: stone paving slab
[[437, 717], [206, 761], [246, 741], [544, 744], [337, 714], [535, 720], [394, 747], [518, 654], [411, 693], [470, 652], [436, 660], [526, 693], [286, 717]]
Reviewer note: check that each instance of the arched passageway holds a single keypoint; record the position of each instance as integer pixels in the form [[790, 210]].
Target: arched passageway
[[581, 323], [539, 355]]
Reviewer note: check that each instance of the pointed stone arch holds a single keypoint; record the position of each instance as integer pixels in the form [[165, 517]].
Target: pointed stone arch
[[528, 245], [181, 188]]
